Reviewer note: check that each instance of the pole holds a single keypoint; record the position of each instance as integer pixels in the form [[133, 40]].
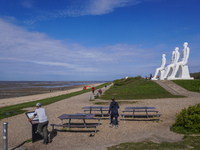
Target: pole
[[5, 135]]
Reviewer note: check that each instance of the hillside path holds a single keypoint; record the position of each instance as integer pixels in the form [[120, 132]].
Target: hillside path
[[175, 89]]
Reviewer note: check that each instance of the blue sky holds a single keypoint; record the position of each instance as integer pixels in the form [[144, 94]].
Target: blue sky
[[99, 40]]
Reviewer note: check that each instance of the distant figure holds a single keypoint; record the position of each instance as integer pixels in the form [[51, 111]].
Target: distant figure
[[161, 69], [174, 60], [100, 91], [150, 76], [113, 112], [93, 88], [183, 62], [43, 122]]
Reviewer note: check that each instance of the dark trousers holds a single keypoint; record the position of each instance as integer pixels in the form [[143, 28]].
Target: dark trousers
[[42, 130], [116, 120]]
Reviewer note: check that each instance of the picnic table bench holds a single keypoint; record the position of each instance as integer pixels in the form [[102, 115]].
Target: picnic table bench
[[150, 112], [77, 116], [100, 109]]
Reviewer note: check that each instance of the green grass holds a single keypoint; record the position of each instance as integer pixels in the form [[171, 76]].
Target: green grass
[[29, 140], [137, 89], [17, 109], [190, 85], [119, 102], [189, 143], [181, 130]]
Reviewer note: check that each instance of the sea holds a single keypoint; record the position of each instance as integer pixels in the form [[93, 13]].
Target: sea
[[9, 89]]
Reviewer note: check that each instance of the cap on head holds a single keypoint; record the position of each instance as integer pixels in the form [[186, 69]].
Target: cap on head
[[38, 105], [113, 98]]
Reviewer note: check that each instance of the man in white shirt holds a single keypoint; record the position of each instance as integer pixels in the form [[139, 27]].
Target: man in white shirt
[[43, 122]]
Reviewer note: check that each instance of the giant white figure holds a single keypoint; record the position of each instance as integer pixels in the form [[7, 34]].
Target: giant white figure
[[161, 69], [182, 65], [174, 60]]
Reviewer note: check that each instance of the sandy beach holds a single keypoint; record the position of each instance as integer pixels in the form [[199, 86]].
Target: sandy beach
[[19, 129], [23, 99]]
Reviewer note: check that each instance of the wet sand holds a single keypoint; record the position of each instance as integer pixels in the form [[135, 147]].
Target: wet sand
[[46, 94], [11, 89]]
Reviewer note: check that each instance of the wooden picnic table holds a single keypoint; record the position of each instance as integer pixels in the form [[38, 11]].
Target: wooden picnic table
[[140, 109], [101, 109], [77, 116]]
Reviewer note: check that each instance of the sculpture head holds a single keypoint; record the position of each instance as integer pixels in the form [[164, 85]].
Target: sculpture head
[[176, 49], [163, 55], [185, 44]]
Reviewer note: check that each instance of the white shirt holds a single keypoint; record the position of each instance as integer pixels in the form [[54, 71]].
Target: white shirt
[[41, 113]]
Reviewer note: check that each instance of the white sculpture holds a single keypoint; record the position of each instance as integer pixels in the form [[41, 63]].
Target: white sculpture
[[182, 65], [169, 69], [161, 69]]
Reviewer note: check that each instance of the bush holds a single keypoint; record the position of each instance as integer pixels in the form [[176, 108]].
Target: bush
[[188, 121]]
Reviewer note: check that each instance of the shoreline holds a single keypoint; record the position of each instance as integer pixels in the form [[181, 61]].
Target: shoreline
[[29, 98], [12, 89]]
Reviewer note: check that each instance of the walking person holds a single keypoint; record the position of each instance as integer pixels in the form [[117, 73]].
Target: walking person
[[43, 122], [93, 88], [113, 112]]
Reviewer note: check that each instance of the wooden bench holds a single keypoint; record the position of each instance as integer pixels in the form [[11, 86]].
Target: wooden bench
[[140, 111], [100, 109], [95, 110], [141, 116], [150, 112], [75, 126]]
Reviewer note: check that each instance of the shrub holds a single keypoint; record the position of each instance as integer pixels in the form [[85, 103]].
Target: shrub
[[188, 121]]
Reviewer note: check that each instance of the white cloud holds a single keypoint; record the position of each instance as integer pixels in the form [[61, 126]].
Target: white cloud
[[23, 51], [27, 3], [100, 7], [86, 7], [20, 44]]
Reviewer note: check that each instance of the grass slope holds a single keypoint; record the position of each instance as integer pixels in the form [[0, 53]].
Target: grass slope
[[190, 85], [136, 88]]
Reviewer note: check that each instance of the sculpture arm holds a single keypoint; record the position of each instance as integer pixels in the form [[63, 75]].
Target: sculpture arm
[[163, 63], [186, 56]]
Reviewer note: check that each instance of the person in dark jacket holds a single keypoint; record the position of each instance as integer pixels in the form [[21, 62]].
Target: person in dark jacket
[[113, 112]]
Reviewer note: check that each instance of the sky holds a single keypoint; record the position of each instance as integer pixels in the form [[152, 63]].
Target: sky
[[94, 40]]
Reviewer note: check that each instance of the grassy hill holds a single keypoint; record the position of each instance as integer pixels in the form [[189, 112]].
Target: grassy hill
[[190, 85], [136, 88]]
